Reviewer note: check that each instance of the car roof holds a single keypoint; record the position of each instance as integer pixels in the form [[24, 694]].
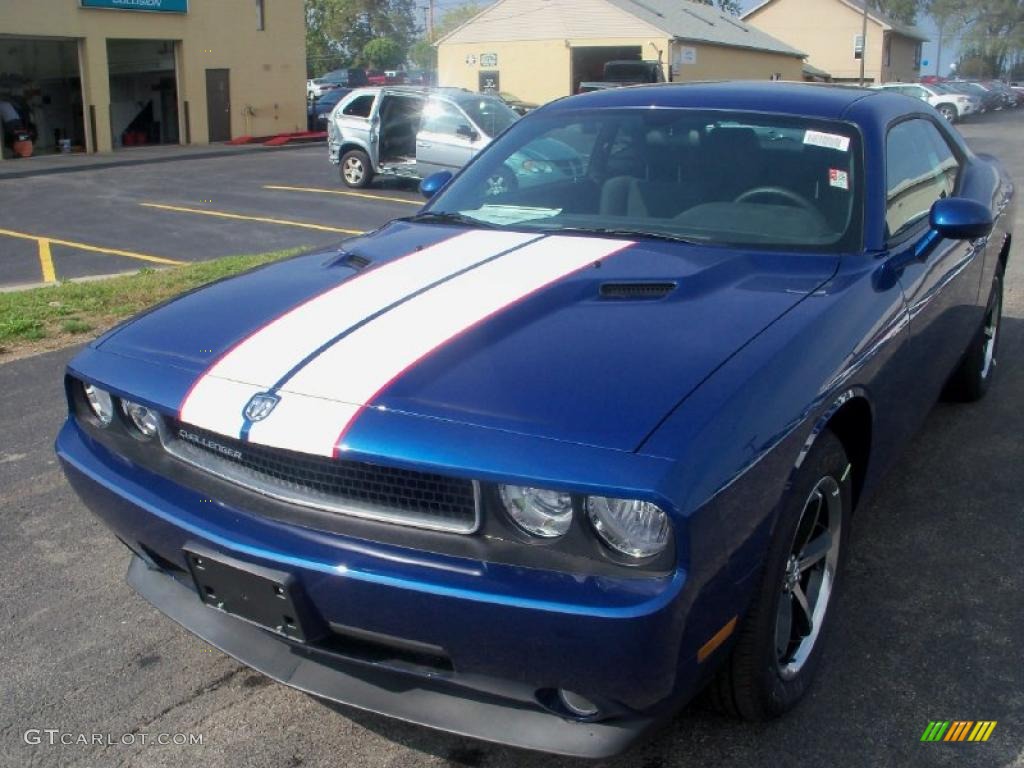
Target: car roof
[[824, 101]]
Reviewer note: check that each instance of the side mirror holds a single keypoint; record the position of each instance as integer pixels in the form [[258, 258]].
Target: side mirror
[[467, 132], [957, 218], [431, 185]]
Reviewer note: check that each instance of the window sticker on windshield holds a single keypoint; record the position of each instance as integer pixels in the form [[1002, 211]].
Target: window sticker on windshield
[[838, 178], [510, 214], [829, 140]]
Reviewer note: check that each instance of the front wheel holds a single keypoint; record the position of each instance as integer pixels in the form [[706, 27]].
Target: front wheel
[[949, 112], [778, 647], [356, 170]]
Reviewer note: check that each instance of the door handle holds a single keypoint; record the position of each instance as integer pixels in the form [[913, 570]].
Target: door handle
[[424, 144]]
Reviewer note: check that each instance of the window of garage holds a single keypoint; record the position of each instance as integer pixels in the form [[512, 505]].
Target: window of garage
[[143, 92], [41, 91]]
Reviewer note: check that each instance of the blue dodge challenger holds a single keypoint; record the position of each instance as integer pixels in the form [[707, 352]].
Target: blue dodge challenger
[[543, 461]]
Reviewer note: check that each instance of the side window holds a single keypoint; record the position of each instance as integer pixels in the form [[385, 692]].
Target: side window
[[361, 106], [442, 117], [920, 169]]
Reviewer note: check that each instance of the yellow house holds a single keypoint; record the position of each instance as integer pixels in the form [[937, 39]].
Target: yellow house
[[830, 32], [102, 74], [540, 50]]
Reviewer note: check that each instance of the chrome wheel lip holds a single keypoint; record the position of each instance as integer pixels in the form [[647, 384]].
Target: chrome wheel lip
[[991, 332], [809, 576], [353, 170]]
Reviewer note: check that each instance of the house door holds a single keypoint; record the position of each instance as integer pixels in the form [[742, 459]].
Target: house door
[[218, 104]]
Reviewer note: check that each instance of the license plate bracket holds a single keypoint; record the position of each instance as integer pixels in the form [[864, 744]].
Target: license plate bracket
[[262, 596]]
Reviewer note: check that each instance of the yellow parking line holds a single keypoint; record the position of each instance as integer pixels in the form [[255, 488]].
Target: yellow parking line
[[240, 217], [93, 248], [343, 192], [46, 261]]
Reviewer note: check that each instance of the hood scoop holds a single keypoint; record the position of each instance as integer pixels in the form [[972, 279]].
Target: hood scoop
[[349, 259], [637, 291]]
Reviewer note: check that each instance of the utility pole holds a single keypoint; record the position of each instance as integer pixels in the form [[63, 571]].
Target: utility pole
[[863, 41], [430, 21]]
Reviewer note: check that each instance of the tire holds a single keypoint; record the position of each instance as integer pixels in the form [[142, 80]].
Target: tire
[[772, 662], [356, 170], [949, 112], [972, 378]]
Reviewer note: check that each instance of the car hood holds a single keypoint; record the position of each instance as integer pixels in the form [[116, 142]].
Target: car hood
[[574, 338]]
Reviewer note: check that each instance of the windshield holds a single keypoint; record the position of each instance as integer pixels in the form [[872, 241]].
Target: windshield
[[491, 115], [706, 176]]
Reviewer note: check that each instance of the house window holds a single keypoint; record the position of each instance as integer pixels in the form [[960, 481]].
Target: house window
[[259, 16], [888, 51], [917, 56]]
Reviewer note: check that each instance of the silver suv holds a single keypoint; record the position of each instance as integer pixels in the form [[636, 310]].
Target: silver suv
[[952, 105], [411, 132]]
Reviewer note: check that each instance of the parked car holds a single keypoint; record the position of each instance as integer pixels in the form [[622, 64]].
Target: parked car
[[421, 77], [318, 111], [411, 132], [536, 468], [991, 99], [352, 77], [951, 104], [521, 107]]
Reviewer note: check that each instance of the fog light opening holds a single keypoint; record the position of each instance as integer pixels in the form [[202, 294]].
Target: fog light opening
[[577, 705]]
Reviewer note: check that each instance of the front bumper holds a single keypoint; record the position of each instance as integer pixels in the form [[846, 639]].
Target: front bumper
[[510, 633]]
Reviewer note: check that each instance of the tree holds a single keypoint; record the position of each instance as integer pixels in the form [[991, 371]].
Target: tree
[[383, 53], [735, 7], [455, 17], [948, 22], [340, 29], [904, 11], [994, 35], [423, 55]]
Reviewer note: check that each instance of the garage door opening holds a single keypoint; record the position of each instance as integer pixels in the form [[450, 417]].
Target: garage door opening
[[41, 90], [588, 61], [143, 92]]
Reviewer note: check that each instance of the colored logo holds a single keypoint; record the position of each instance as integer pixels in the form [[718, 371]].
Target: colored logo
[[260, 406], [958, 730]]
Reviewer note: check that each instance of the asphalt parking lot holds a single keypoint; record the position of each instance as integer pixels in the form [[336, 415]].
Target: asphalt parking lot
[[110, 220], [928, 624]]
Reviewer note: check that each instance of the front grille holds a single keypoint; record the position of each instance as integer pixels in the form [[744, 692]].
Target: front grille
[[355, 488]]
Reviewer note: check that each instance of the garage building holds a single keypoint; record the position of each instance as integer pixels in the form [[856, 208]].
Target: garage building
[[540, 50], [98, 75]]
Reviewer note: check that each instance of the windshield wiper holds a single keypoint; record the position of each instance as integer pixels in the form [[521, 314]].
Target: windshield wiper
[[642, 234], [447, 217]]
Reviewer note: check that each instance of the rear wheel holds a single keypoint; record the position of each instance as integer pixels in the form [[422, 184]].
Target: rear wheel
[[779, 644], [356, 170], [973, 376], [949, 112]]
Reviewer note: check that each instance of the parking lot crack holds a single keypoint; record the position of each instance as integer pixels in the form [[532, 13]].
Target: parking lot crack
[[210, 687]]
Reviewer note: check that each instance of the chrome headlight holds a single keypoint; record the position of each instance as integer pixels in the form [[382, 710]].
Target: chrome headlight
[[146, 420], [634, 528], [101, 403], [537, 511]]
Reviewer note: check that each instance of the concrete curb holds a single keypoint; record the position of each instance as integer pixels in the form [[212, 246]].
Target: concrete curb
[[240, 151]]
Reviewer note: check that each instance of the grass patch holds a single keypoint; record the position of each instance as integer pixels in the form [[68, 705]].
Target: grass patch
[[73, 309]]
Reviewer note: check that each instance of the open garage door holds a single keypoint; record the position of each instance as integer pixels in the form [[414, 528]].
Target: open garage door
[[588, 61], [41, 90], [143, 92]]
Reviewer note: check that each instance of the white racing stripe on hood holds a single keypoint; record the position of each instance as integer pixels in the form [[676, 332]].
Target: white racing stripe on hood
[[323, 399], [218, 397]]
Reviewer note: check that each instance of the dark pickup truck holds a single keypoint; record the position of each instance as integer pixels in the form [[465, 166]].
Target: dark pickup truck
[[627, 72]]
